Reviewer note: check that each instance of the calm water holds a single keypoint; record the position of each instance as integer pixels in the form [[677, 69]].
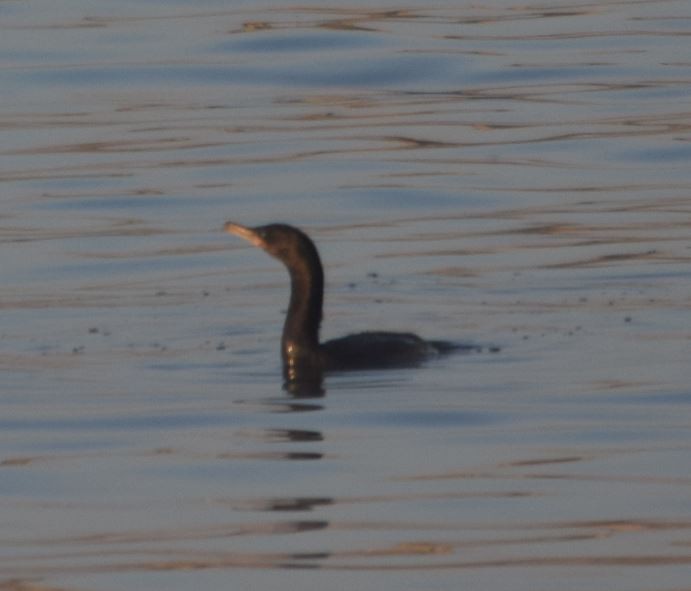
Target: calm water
[[495, 173]]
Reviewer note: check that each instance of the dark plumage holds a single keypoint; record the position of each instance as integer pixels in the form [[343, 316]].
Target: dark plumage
[[304, 357]]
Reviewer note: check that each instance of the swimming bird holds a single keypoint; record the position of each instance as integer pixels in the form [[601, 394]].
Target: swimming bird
[[304, 357]]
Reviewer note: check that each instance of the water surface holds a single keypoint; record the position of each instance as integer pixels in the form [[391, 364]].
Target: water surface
[[507, 175]]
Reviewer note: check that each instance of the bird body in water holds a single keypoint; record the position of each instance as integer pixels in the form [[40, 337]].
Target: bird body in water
[[304, 357]]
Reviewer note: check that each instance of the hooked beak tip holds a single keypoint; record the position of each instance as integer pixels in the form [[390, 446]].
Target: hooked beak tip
[[243, 232]]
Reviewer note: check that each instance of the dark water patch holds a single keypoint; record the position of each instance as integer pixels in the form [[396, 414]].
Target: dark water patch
[[291, 435], [660, 90], [402, 197], [28, 482], [676, 155], [426, 419], [283, 504], [372, 72], [244, 470], [282, 405], [525, 74], [109, 269], [660, 399], [49, 445], [121, 423], [127, 203], [299, 40], [177, 366]]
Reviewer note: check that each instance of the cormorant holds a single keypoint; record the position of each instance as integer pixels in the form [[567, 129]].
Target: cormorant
[[304, 357]]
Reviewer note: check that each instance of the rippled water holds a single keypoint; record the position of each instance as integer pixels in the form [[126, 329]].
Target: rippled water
[[509, 175]]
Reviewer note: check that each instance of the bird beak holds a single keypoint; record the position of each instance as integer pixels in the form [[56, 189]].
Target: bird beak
[[247, 233]]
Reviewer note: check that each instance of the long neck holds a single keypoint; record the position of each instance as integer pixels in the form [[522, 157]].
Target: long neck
[[301, 328]]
